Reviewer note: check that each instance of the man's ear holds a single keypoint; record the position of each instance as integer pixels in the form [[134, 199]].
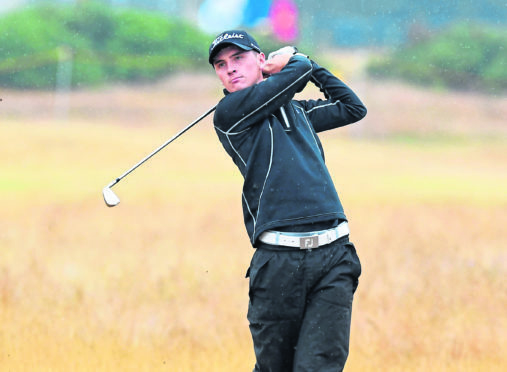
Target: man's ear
[[262, 60]]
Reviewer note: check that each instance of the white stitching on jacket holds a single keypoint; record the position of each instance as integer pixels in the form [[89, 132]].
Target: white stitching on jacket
[[322, 106], [310, 127], [249, 210], [267, 176]]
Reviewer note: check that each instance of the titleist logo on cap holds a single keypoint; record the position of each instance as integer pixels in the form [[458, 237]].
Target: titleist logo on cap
[[226, 36]]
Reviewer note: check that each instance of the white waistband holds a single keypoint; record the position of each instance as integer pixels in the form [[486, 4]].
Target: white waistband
[[308, 240]]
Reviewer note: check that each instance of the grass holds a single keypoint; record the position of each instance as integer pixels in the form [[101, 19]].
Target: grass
[[157, 283]]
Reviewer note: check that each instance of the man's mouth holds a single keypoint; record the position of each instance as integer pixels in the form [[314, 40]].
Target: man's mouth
[[235, 80]]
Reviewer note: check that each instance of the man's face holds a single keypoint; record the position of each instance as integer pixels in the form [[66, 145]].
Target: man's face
[[238, 69]]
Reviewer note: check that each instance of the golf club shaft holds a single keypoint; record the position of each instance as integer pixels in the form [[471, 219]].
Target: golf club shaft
[[162, 146]]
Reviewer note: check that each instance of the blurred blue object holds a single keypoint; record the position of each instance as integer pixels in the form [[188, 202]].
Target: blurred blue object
[[215, 16], [256, 11]]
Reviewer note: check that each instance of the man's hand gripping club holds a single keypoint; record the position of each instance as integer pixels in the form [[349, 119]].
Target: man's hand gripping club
[[277, 60]]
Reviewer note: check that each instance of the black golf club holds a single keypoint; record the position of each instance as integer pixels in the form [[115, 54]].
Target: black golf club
[[110, 197]]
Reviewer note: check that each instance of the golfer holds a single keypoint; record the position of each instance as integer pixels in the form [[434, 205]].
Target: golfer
[[305, 270]]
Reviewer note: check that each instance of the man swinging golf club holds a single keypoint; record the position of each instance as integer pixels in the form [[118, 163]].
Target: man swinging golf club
[[305, 270]]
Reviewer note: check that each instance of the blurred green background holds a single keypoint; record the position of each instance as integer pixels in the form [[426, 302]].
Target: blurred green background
[[455, 44]]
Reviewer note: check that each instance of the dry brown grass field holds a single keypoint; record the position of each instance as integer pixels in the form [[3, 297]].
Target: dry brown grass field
[[157, 283]]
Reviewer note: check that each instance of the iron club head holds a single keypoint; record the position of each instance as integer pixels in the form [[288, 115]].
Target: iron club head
[[110, 197]]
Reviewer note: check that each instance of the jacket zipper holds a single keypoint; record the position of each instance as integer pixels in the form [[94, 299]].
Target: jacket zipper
[[285, 119]]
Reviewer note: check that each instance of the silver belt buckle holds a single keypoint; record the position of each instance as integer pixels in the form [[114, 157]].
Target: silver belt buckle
[[309, 242]]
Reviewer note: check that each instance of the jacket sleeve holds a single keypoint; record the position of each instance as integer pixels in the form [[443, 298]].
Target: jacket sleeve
[[239, 110], [341, 106]]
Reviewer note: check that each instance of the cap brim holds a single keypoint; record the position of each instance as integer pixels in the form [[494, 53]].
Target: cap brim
[[222, 45]]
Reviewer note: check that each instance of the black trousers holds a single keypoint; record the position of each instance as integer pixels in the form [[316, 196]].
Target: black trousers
[[300, 306]]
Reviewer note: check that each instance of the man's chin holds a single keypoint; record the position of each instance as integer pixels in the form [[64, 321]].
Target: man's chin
[[235, 88]]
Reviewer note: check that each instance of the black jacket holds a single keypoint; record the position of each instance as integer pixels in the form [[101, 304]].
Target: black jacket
[[272, 139]]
